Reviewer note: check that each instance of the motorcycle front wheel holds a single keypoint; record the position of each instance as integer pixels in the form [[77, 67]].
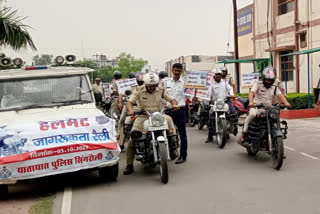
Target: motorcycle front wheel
[[222, 133], [164, 174], [278, 153]]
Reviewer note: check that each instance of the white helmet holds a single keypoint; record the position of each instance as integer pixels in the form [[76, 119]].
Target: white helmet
[[151, 79], [217, 71]]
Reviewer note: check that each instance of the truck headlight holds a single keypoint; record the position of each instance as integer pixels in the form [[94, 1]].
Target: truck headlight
[[157, 119]]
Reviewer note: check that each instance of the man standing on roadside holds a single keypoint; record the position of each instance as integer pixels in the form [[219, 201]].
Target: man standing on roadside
[[175, 88]]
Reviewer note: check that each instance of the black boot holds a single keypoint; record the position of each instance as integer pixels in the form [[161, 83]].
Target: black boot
[[129, 170]]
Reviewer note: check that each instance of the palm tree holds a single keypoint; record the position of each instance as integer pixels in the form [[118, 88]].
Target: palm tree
[[12, 32]]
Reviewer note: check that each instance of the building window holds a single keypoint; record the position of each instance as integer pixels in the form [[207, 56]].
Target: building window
[[303, 40], [195, 58], [285, 6], [286, 65]]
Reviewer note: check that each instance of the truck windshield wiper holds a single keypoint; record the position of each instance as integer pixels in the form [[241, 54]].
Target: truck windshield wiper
[[72, 102]]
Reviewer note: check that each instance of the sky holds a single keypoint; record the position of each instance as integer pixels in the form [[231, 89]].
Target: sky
[[155, 30]]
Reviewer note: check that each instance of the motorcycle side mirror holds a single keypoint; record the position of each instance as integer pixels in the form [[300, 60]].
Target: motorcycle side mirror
[[127, 92], [284, 122]]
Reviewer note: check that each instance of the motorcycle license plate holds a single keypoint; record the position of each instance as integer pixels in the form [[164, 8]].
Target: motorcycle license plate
[[158, 128]]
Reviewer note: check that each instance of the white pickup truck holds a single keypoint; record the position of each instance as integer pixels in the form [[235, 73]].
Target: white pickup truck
[[49, 124]]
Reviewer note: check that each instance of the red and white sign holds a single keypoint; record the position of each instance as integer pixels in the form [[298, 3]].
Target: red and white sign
[[52, 147]]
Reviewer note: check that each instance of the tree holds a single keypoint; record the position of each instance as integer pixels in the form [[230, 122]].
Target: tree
[[87, 63], [44, 59], [129, 63], [13, 32]]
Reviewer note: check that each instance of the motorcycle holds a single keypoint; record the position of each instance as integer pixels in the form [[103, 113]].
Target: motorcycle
[[224, 123], [203, 117], [190, 113], [266, 134], [156, 146], [241, 105]]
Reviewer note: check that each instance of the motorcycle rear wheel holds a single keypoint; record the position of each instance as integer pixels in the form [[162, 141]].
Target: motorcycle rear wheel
[[164, 174], [222, 133], [277, 154]]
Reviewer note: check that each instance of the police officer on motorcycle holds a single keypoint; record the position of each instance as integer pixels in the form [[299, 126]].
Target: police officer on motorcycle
[[147, 97], [124, 113], [226, 76], [220, 90], [262, 92]]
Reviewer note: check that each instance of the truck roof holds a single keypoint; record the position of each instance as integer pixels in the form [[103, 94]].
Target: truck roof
[[22, 73]]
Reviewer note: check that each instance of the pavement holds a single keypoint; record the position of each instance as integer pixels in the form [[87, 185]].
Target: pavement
[[212, 181]]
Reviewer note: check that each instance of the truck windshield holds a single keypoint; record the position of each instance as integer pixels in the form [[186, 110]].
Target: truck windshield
[[44, 92]]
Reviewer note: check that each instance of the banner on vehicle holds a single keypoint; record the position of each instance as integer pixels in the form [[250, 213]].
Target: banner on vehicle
[[36, 149], [249, 79], [201, 93], [196, 79], [126, 84]]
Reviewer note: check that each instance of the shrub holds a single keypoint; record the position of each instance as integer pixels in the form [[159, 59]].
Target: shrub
[[297, 100], [300, 100], [243, 95]]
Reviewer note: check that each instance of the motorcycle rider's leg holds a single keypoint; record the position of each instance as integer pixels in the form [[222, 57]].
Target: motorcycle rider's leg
[[211, 128], [233, 117], [120, 137], [172, 131], [252, 114], [137, 126], [114, 107]]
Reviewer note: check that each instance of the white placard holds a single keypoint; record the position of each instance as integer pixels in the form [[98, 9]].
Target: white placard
[[126, 84], [249, 79], [201, 93], [196, 79]]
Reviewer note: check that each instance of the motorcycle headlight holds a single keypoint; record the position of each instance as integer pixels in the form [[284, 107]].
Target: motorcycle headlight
[[274, 113], [220, 104], [157, 119]]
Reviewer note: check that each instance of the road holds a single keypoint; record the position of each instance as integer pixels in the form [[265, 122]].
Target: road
[[212, 181]]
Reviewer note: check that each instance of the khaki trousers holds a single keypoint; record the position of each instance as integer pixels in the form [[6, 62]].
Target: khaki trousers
[[252, 115], [114, 107]]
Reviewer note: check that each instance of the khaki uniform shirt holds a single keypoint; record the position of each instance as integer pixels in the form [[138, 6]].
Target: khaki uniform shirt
[[281, 88], [263, 95], [147, 101], [98, 88], [229, 79], [114, 88]]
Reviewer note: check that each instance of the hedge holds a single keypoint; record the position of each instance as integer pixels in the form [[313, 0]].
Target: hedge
[[297, 100]]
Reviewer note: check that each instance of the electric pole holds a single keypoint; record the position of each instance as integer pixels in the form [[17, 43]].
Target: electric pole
[[236, 47]]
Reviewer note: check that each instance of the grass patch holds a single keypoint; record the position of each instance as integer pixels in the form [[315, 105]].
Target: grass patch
[[43, 206]]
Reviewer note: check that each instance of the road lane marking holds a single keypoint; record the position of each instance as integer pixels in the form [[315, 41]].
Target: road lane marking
[[66, 200], [287, 147], [309, 156]]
